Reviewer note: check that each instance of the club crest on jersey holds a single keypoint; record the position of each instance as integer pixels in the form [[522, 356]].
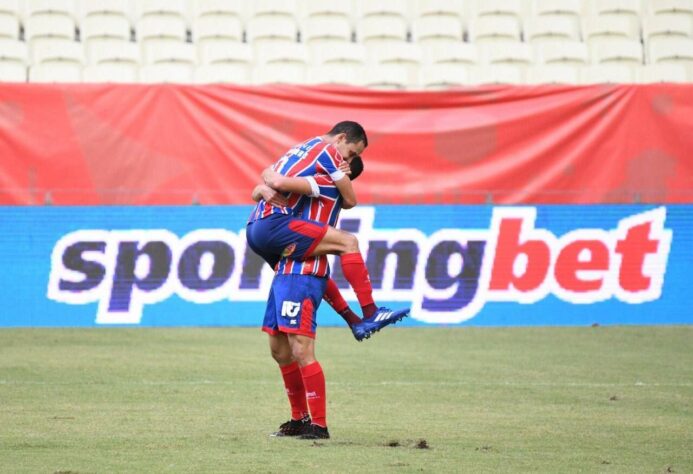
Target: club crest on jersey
[[288, 250]]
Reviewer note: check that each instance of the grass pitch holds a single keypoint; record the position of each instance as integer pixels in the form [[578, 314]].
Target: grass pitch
[[604, 399]]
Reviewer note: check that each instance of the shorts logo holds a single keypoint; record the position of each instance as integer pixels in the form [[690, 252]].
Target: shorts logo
[[288, 250], [290, 309]]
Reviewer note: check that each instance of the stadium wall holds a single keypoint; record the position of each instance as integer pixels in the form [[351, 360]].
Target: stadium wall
[[455, 265], [95, 144]]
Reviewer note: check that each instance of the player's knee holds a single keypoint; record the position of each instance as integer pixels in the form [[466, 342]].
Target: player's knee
[[282, 357], [302, 354], [351, 243]]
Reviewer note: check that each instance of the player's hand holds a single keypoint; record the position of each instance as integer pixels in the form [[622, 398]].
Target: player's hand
[[273, 197], [345, 168]]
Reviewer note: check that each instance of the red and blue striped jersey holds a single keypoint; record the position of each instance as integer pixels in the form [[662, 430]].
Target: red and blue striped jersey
[[311, 158], [325, 209]]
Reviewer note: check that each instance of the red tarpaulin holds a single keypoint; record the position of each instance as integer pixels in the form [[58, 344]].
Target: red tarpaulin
[[175, 144]]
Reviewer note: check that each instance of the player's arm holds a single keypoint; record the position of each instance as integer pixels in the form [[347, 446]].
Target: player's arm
[[347, 191], [305, 185], [262, 191]]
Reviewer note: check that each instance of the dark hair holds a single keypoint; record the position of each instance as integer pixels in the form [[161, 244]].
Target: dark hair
[[354, 132], [356, 166]]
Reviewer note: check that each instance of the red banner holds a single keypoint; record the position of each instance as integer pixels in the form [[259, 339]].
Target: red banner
[[174, 144]]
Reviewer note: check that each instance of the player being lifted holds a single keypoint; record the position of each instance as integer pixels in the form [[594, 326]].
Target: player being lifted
[[279, 229]]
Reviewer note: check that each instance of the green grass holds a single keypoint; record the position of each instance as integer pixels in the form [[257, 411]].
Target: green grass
[[604, 399]]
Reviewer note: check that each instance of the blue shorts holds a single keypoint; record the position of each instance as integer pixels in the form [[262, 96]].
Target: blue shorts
[[281, 235], [293, 304]]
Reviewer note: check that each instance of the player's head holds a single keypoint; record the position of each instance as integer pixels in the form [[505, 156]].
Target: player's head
[[356, 165], [349, 138]]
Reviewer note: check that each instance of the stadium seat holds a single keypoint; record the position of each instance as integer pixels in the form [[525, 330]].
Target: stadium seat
[[271, 29], [49, 26], [105, 26], [617, 7], [515, 54], [493, 29], [671, 50], [381, 29], [383, 8], [608, 26], [9, 26], [336, 73], [155, 31], [231, 73], [617, 51], [172, 53], [406, 55], [440, 76], [437, 29], [51, 7], [227, 8], [58, 50], [562, 53], [457, 53], [213, 27], [106, 7], [516, 9], [279, 74], [12, 8], [607, 73], [56, 72], [553, 74], [289, 53], [167, 72], [388, 76], [342, 53], [663, 73], [453, 8], [231, 52], [551, 28], [671, 7], [496, 74], [12, 71], [113, 51], [327, 9], [110, 72], [162, 8], [286, 8], [570, 8], [667, 25], [326, 30]]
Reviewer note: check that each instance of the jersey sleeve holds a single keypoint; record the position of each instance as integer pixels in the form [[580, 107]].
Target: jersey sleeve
[[328, 163]]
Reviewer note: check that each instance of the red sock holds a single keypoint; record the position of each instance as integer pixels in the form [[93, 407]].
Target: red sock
[[314, 381], [356, 273], [335, 299], [293, 382]]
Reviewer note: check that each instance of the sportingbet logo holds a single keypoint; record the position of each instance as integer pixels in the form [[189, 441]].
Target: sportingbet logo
[[447, 276]]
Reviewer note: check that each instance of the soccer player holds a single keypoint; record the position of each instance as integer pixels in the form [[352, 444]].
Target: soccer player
[[275, 230], [297, 289]]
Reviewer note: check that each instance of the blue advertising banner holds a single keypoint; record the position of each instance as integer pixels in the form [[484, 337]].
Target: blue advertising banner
[[453, 265]]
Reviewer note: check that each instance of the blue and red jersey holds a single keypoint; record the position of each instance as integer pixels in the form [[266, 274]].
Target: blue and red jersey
[[325, 209], [311, 158]]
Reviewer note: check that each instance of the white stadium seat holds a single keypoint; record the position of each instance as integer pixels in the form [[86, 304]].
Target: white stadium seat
[[607, 73], [551, 28], [617, 7], [617, 51], [279, 74], [502, 8], [58, 50], [608, 26], [396, 53], [437, 76], [49, 26], [379, 29], [667, 25], [671, 50], [12, 8], [274, 8], [166, 72], [12, 71], [571, 8], [226, 52], [106, 7], [342, 53], [563, 53], [553, 74], [383, 8], [671, 6], [217, 27], [336, 29], [291, 53], [113, 51], [453, 8], [105, 26], [496, 74], [336, 73], [231, 73], [230, 8], [459, 53], [9, 26], [663, 73], [436, 29], [516, 54], [494, 29], [387, 76], [327, 9], [161, 27], [184, 53], [271, 29], [56, 72], [51, 7], [111, 72], [159, 8]]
